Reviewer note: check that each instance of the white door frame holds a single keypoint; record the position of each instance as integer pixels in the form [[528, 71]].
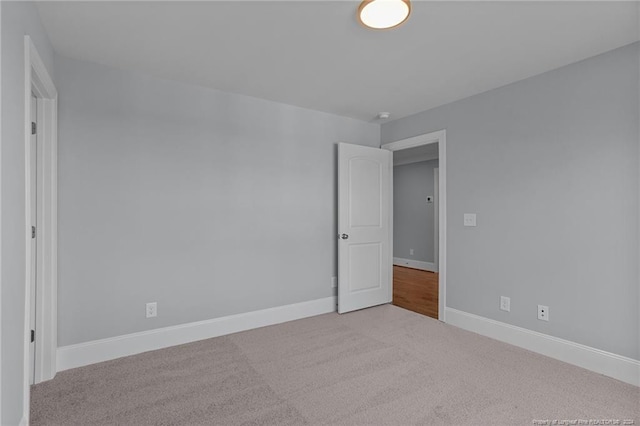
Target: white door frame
[[0, 214], [436, 217], [439, 137], [38, 81]]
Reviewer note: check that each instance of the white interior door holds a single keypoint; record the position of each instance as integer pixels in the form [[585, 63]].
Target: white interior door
[[32, 214], [364, 222]]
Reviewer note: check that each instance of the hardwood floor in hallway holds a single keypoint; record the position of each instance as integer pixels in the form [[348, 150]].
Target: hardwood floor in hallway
[[416, 290]]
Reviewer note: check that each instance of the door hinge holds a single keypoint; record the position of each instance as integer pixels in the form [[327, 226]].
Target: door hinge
[[33, 336], [33, 232], [33, 128]]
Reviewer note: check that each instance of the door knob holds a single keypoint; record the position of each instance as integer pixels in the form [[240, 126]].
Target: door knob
[[344, 236]]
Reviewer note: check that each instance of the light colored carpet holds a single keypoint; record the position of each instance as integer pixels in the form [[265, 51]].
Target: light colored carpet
[[378, 366]]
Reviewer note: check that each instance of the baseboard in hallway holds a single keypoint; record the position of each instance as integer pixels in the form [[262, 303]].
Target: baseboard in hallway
[[415, 264]]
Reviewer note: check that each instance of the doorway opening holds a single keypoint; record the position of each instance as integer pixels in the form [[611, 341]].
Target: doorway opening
[[419, 223], [415, 228]]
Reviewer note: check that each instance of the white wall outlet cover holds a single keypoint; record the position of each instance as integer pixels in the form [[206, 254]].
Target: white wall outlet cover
[[505, 303], [410, 252], [543, 313], [152, 309], [469, 219], [334, 282]]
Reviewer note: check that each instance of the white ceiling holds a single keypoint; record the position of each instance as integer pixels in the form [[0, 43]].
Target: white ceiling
[[314, 54]]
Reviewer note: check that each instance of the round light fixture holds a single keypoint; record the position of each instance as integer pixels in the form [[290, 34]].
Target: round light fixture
[[383, 14]]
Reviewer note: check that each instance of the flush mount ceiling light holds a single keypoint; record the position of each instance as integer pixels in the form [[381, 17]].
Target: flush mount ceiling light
[[383, 14]]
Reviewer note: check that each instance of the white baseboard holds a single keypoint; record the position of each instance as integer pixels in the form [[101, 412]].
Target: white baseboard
[[81, 354], [599, 361], [415, 264]]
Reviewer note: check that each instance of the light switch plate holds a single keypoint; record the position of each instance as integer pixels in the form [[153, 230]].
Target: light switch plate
[[469, 219]]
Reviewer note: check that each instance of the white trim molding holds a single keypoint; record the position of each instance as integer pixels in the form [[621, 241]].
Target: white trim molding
[[415, 264], [439, 137], [638, 228], [1, 214], [81, 354], [38, 81], [425, 139], [599, 361]]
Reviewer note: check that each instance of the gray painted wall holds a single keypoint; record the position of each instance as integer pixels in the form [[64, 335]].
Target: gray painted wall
[[208, 203], [18, 19], [550, 165], [413, 218]]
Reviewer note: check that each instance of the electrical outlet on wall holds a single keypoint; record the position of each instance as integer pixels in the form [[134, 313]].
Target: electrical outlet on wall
[[410, 252], [469, 219], [543, 313], [152, 309], [334, 282], [505, 303]]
